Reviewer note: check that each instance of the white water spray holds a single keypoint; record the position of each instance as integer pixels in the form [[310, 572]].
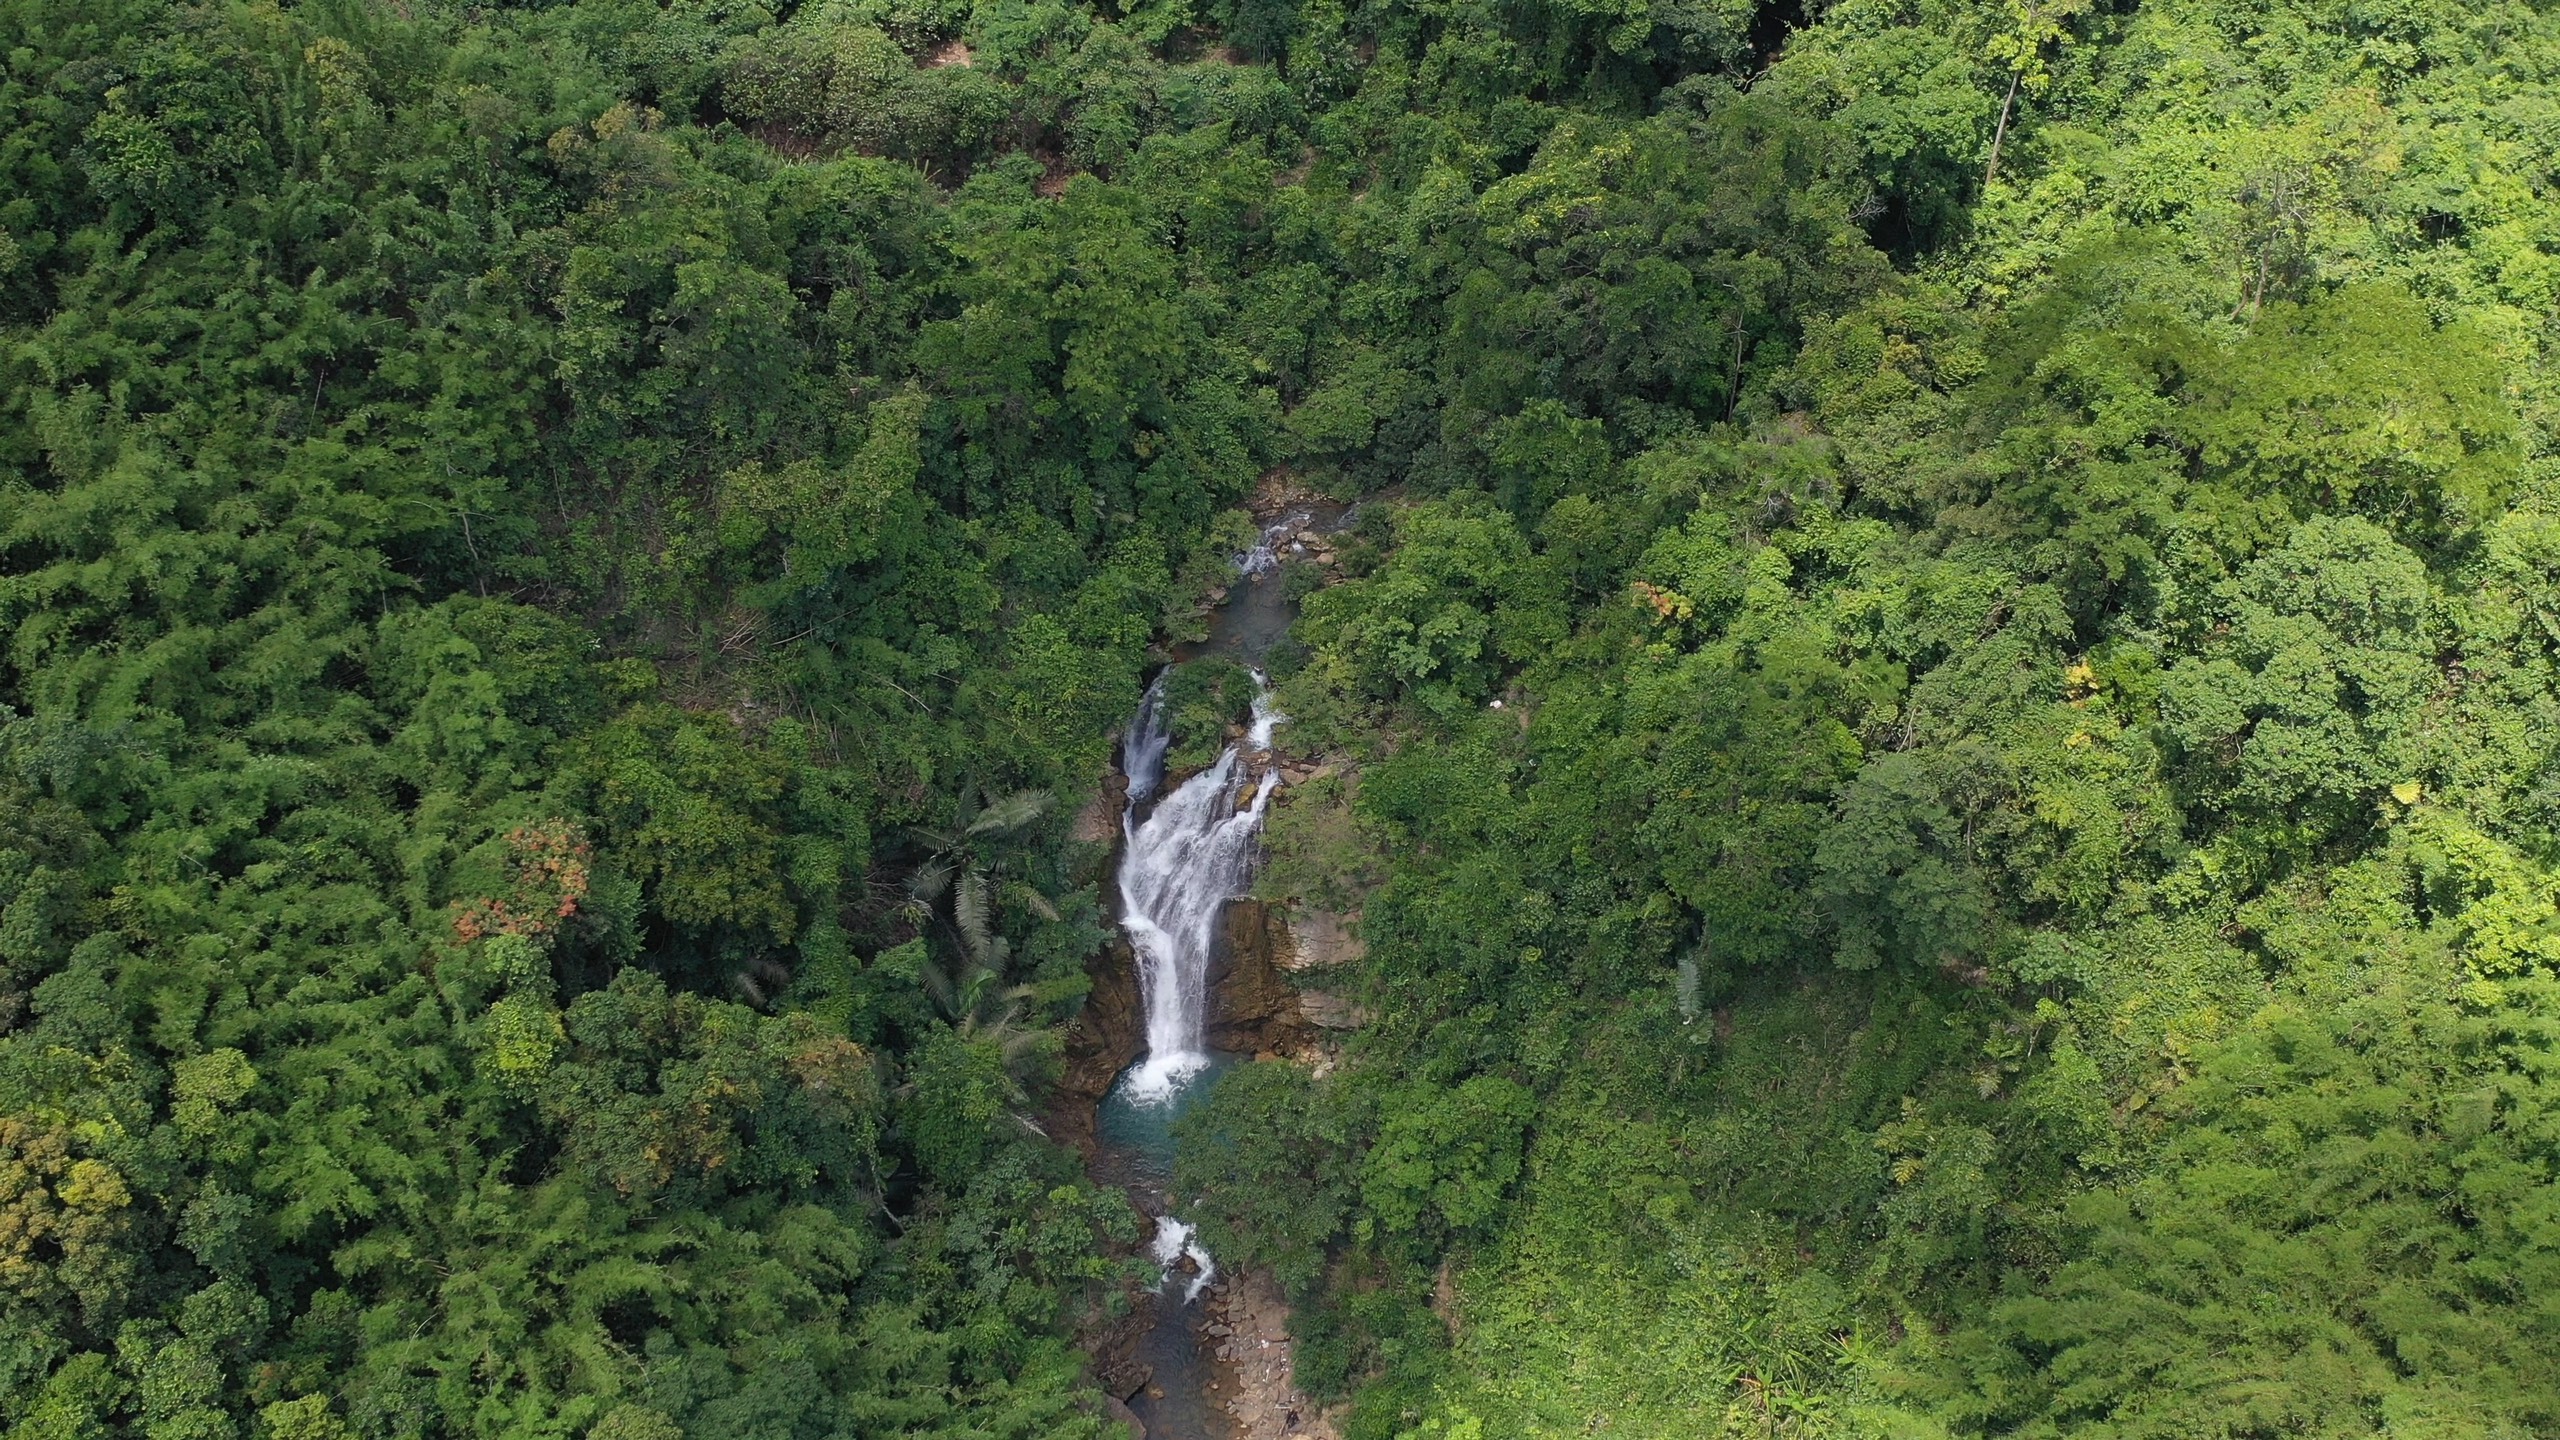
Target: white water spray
[[1264, 557], [1173, 1243], [1178, 870]]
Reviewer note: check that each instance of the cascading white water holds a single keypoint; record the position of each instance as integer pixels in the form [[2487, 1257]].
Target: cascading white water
[[1178, 869], [1264, 557], [1174, 1243]]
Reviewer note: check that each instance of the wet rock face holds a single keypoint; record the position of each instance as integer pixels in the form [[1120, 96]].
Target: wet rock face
[[1111, 1028], [1256, 1005], [1253, 1009], [1106, 1035], [1113, 1344]]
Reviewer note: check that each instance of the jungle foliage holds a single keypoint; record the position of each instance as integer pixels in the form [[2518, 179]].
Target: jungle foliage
[[565, 568], [1994, 805]]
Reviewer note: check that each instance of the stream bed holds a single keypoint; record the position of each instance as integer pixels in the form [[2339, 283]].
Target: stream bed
[[1136, 1138]]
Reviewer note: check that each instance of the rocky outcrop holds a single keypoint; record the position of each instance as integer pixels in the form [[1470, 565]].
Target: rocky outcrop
[[1328, 1011], [1098, 823], [1103, 1039], [1261, 1000], [1253, 1009], [1248, 1322], [1313, 939], [1307, 942], [1113, 1340]]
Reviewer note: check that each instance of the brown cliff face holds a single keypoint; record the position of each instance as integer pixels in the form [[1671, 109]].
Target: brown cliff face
[[1253, 1009], [1106, 1035], [1309, 943], [1319, 939], [1103, 1040]]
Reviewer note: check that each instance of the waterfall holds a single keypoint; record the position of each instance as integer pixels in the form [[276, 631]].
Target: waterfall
[[1142, 750], [1181, 865]]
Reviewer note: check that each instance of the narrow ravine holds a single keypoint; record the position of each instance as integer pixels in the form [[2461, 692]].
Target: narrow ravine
[[1186, 853]]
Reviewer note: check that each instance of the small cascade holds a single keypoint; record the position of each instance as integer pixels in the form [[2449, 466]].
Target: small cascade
[[1174, 1243], [1264, 557], [1191, 854], [1142, 750]]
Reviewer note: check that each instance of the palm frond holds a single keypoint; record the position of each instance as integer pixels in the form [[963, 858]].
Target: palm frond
[[932, 878], [1032, 900], [1016, 1046], [969, 913], [939, 988], [972, 1005], [1011, 812]]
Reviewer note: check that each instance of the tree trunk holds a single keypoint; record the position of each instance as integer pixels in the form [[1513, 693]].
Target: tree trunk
[[2001, 133]]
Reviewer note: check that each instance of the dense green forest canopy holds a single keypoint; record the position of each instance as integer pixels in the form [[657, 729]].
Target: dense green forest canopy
[[1951, 673]]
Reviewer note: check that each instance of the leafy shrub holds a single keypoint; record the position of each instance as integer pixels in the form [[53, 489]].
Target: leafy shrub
[[1203, 699]]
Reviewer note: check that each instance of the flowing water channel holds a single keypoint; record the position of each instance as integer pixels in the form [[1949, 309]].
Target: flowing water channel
[[1185, 853]]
